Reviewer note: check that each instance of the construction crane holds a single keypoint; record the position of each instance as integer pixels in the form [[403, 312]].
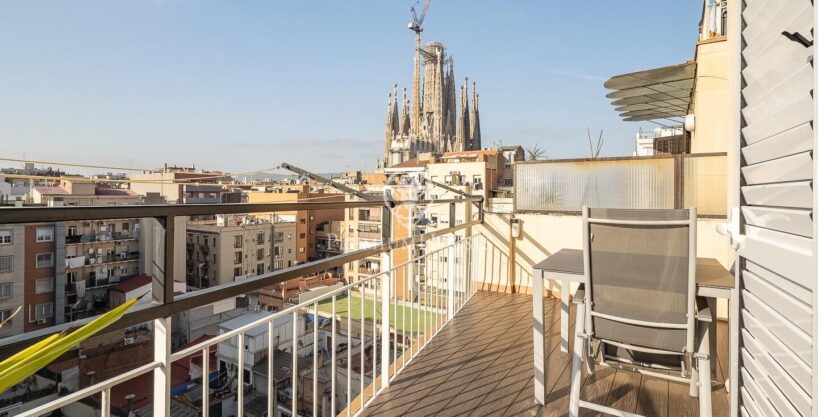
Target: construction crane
[[340, 187], [417, 21], [416, 25]]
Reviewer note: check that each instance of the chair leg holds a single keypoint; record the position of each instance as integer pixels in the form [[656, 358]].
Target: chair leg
[[576, 362], [703, 365]]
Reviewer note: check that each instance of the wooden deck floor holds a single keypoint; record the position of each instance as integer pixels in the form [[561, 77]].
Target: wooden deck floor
[[481, 363]]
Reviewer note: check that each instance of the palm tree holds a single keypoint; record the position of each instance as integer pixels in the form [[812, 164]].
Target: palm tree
[[535, 153]]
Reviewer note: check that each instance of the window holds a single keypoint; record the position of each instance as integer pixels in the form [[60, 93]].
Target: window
[[300, 250], [237, 272], [5, 237], [259, 269], [45, 260], [302, 221], [6, 315], [279, 236], [237, 257], [278, 264], [302, 236], [45, 234], [6, 290], [43, 311], [289, 250], [72, 230], [71, 277], [259, 254], [6, 263], [277, 251], [236, 242], [260, 238], [126, 227], [44, 285], [289, 235]]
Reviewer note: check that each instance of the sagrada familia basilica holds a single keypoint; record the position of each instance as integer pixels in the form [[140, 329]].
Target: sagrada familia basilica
[[431, 121]]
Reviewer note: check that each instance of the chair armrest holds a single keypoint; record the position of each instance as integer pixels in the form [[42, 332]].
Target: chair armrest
[[703, 311], [579, 296]]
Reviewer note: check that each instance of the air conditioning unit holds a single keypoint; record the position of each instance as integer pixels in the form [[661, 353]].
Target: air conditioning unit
[[42, 321], [128, 341]]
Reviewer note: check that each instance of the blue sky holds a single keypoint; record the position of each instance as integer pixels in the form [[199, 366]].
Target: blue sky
[[246, 85]]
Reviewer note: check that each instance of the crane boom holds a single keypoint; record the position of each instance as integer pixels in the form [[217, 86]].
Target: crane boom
[[340, 187]]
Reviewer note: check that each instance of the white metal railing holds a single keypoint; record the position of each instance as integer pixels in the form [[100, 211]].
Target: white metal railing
[[395, 313]]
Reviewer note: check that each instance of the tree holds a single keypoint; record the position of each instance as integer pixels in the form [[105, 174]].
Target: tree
[[535, 153]]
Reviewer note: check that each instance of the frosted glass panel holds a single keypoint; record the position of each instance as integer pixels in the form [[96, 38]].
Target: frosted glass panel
[[612, 183], [705, 184]]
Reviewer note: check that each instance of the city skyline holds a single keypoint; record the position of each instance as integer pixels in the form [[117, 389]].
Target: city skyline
[[239, 88]]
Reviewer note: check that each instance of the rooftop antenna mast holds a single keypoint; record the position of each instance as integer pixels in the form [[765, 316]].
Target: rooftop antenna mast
[[416, 25]]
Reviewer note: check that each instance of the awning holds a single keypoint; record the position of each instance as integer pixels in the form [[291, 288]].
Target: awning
[[657, 93]]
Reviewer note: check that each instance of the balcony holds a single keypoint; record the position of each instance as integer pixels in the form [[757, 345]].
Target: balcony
[[434, 334], [481, 363], [100, 237]]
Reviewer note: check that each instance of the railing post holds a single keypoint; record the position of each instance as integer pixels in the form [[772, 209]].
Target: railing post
[[386, 284], [162, 293], [451, 270]]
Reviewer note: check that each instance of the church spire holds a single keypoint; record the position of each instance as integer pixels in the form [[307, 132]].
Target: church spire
[[462, 136], [405, 121], [476, 142], [392, 125]]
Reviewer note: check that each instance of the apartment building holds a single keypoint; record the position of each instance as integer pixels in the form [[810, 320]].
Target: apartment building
[[308, 222], [510, 156], [43, 298], [98, 255], [235, 247], [361, 229], [78, 192], [12, 277], [171, 182]]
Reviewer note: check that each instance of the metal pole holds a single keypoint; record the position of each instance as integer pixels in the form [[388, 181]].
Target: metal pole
[[386, 284], [162, 293]]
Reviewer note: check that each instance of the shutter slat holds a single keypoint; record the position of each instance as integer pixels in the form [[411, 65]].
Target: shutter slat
[[792, 310], [788, 142], [798, 341], [798, 222], [800, 371], [793, 194], [769, 120], [791, 168], [799, 398]]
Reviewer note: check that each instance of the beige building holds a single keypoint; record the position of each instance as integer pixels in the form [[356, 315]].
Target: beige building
[[170, 182], [76, 192], [361, 229], [308, 222], [235, 247]]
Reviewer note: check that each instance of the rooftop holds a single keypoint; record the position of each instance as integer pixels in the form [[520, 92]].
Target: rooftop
[[132, 283], [248, 318]]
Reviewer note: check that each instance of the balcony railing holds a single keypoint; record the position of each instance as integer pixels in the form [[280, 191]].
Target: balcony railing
[[392, 314]]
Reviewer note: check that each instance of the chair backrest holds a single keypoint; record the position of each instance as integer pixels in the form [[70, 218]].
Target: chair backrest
[[640, 266]]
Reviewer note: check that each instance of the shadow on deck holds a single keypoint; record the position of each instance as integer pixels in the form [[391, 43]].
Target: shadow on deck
[[481, 363]]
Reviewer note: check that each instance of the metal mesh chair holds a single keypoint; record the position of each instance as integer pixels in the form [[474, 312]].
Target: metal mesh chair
[[639, 305]]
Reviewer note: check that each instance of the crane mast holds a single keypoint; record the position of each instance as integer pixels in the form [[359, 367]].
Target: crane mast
[[416, 25]]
